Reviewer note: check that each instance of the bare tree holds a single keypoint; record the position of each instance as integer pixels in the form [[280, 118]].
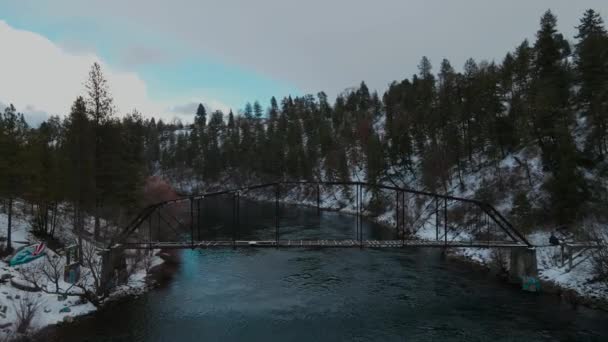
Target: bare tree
[[46, 276], [147, 263], [26, 308], [92, 266], [31, 274], [53, 270], [499, 261], [596, 230], [89, 284], [40, 275], [141, 260], [600, 263]]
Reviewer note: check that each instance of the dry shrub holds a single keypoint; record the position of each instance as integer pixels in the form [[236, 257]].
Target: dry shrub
[[598, 233], [26, 308], [499, 260], [600, 262]]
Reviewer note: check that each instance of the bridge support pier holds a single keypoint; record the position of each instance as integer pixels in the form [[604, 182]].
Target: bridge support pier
[[523, 268], [113, 267]]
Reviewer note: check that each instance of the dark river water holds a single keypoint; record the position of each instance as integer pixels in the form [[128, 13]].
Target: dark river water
[[331, 295]]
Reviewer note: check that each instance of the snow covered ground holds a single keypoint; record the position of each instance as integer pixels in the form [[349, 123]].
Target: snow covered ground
[[52, 308], [579, 279]]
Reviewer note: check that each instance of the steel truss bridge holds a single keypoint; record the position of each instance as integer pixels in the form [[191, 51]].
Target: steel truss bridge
[[454, 222]]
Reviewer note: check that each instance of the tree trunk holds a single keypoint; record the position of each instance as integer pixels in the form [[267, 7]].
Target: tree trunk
[[97, 223], [53, 219], [527, 169], [75, 219], [459, 167], [80, 224], [9, 229], [469, 141], [46, 218]]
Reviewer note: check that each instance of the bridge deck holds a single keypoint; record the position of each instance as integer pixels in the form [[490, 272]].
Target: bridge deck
[[321, 244]]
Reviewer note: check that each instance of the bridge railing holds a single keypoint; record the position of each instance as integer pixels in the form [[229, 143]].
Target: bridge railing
[[452, 215]]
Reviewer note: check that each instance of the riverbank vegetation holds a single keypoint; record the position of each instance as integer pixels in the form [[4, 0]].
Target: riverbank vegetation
[[541, 110], [37, 294], [528, 133]]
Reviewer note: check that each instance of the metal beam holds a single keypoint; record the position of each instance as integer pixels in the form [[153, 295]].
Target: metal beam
[[492, 213], [319, 244]]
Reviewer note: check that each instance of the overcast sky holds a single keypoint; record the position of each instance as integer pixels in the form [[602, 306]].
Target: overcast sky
[[163, 57]]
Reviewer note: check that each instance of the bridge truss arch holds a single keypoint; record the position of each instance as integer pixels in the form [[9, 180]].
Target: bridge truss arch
[[447, 221]]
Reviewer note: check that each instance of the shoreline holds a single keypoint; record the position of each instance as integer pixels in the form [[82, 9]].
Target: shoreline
[[566, 294], [159, 275]]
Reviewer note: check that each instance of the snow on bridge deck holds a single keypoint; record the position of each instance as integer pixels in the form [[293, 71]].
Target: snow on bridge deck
[[321, 244]]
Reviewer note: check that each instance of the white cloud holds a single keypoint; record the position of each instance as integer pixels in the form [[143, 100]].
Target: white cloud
[[329, 45], [140, 55], [37, 76]]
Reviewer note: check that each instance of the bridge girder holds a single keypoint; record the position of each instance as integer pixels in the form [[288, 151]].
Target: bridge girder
[[518, 239]]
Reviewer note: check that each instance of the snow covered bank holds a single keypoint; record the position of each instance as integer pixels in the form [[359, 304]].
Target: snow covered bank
[[576, 284], [580, 280], [50, 299]]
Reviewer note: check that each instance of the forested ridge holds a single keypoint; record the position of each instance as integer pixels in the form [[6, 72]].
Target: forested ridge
[[546, 99]]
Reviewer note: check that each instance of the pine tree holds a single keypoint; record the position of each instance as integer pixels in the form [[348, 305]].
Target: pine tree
[[13, 130], [566, 186], [152, 144], [79, 148], [200, 118], [42, 169], [399, 103], [294, 149], [425, 119], [100, 109], [199, 140], [375, 158], [131, 171], [216, 128], [592, 75], [231, 144], [258, 112], [550, 90], [470, 107], [248, 112], [522, 212], [448, 110]]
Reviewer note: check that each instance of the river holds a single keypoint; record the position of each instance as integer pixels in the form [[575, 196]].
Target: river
[[331, 294]]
